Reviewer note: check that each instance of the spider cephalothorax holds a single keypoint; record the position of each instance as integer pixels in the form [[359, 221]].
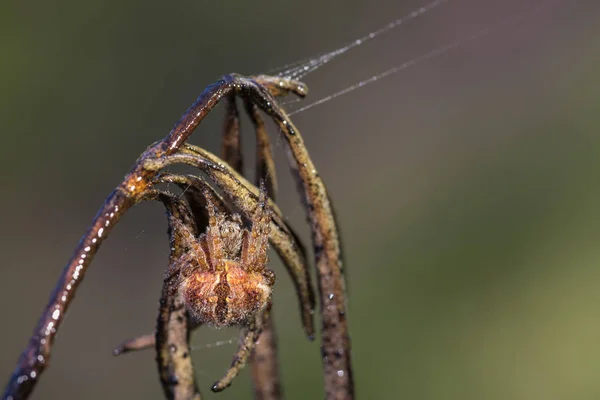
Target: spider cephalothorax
[[228, 282]]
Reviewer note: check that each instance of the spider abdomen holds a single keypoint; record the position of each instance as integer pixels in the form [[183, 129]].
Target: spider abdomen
[[224, 298]]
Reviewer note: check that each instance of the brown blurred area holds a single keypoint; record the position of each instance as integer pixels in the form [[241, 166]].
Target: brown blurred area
[[467, 188]]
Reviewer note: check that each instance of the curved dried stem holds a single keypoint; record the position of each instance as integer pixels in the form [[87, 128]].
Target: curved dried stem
[[232, 139], [137, 343], [260, 92], [264, 365], [265, 165]]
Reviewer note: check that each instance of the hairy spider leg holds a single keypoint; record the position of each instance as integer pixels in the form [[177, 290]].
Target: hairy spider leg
[[255, 244], [248, 338], [213, 237]]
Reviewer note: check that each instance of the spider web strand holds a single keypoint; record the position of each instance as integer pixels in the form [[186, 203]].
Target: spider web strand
[[424, 57], [299, 69]]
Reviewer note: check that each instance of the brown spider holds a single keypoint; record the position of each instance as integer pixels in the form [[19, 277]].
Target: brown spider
[[224, 280], [220, 278], [191, 295]]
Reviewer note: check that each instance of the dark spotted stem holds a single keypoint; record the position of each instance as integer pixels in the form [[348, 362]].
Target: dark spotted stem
[[173, 326], [36, 356], [335, 340]]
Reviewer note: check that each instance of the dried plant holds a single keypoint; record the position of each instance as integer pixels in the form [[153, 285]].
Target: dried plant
[[217, 271]]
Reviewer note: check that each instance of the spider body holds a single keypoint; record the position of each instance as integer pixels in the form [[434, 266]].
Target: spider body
[[230, 284], [232, 297]]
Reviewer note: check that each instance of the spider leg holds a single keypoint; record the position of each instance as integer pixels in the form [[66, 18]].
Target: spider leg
[[213, 234], [248, 338], [182, 233], [182, 226], [254, 249]]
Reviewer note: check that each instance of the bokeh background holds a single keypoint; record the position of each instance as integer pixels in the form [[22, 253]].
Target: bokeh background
[[467, 188]]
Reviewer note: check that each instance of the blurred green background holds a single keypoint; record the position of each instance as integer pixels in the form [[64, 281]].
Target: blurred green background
[[467, 188]]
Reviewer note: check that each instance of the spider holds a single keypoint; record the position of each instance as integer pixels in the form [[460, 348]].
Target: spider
[[186, 299], [219, 278], [224, 278]]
